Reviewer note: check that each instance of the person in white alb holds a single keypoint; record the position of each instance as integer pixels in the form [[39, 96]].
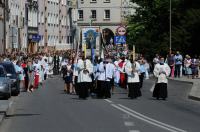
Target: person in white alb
[[161, 71], [85, 68], [106, 70], [132, 70]]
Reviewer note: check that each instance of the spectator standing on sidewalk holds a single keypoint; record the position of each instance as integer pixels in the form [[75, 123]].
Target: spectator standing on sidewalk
[[25, 68], [194, 66], [187, 66], [20, 73], [178, 64], [171, 63], [30, 76], [199, 68]]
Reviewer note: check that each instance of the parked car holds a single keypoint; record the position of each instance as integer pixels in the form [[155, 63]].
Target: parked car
[[12, 74], [5, 84]]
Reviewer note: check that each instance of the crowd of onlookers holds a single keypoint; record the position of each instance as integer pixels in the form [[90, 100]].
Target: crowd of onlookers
[[33, 69], [182, 65]]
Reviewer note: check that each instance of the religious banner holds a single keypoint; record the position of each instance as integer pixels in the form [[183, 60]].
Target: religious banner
[[90, 41]]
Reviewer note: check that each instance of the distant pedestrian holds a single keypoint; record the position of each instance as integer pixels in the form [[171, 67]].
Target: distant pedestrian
[[132, 70], [187, 66], [142, 72], [194, 66], [171, 63], [68, 76], [178, 64]]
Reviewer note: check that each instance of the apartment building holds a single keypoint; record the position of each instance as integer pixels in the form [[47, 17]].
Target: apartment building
[[103, 13], [52, 19], [2, 40], [32, 22]]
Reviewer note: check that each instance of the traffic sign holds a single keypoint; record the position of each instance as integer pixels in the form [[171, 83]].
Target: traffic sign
[[120, 39], [36, 38], [121, 31]]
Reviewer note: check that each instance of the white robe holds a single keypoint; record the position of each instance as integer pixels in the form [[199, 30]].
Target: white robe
[[106, 71], [84, 77], [162, 72], [128, 69]]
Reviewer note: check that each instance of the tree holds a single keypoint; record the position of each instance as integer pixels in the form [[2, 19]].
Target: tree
[[148, 29]]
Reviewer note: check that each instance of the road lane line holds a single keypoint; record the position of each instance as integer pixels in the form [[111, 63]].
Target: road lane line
[[153, 120], [134, 131], [143, 119], [10, 104], [107, 100], [129, 124]]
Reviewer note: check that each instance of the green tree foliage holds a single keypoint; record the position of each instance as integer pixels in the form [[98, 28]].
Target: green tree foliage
[[148, 29]]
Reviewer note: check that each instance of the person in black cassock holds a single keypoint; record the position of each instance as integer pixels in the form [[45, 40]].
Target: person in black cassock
[[161, 71]]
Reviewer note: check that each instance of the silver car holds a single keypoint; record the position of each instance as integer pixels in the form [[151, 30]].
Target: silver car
[[5, 84]]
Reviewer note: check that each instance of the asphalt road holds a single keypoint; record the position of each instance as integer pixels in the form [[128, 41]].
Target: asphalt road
[[50, 110]]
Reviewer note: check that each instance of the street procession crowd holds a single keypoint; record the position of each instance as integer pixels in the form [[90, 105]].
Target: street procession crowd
[[99, 77]]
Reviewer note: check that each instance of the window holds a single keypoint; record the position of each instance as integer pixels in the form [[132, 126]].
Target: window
[[107, 14], [82, 1], [80, 14], [93, 1], [106, 1], [94, 14]]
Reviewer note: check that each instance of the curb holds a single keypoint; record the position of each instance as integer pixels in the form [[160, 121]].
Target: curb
[[2, 116], [192, 94], [3, 111], [190, 82]]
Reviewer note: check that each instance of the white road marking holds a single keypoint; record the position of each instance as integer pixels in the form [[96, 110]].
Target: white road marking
[[134, 131], [153, 120], [126, 116], [146, 120], [129, 124], [109, 101], [10, 104]]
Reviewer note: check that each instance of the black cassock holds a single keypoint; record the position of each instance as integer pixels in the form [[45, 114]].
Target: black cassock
[[134, 90], [160, 91]]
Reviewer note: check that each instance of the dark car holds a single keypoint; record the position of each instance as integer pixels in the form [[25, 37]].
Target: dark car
[[12, 74], [5, 84]]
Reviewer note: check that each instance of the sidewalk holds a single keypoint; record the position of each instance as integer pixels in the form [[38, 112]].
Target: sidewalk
[[4, 106], [195, 91]]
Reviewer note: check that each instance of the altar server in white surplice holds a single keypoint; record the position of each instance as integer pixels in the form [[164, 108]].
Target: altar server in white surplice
[[106, 69], [132, 71], [85, 68], [161, 71]]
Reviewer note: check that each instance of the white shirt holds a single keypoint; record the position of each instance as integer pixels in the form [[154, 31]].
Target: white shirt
[[106, 71], [128, 68], [82, 77], [162, 72]]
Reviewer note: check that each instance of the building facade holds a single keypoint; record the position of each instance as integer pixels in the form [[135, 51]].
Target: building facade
[[2, 40], [103, 13], [107, 15], [52, 19], [15, 36]]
